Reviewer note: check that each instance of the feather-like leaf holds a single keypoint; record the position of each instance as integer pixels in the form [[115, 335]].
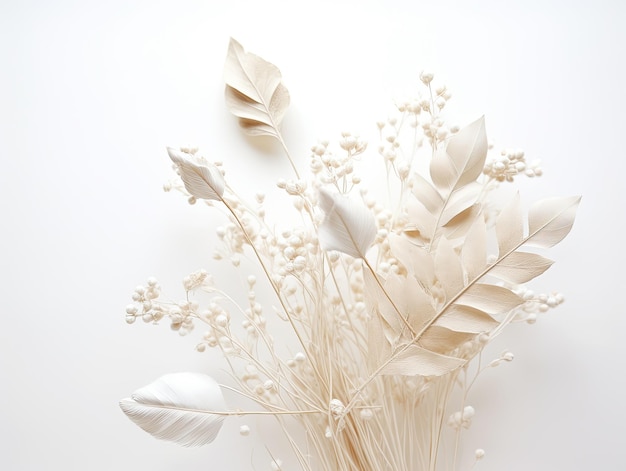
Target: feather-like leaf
[[426, 193], [521, 267], [490, 298], [254, 92], [474, 250], [442, 340], [448, 268], [466, 319], [348, 227], [550, 220], [510, 226], [416, 260], [202, 181], [415, 360], [178, 407], [463, 160]]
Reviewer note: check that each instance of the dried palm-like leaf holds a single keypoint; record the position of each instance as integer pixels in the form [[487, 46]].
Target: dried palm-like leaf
[[254, 92]]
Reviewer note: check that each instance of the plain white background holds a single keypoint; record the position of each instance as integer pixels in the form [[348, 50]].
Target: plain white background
[[91, 93]]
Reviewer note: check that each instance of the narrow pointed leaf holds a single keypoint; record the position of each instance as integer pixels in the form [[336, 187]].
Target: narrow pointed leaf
[[448, 268], [254, 92], [550, 220], [348, 227], [474, 250], [202, 181], [468, 150], [178, 407], [466, 319], [415, 360], [510, 226], [490, 298], [463, 160], [521, 267], [442, 340]]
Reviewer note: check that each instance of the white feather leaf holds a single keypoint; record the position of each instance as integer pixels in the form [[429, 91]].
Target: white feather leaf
[[510, 226], [550, 220], [521, 267], [415, 360], [466, 319], [202, 181], [179, 407], [491, 299], [254, 92], [474, 250], [463, 160], [348, 227], [448, 268]]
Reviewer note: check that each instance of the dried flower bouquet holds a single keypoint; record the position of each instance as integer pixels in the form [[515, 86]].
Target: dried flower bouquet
[[387, 304]]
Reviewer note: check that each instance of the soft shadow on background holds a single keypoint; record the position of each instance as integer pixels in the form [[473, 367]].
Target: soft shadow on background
[[91, 93]]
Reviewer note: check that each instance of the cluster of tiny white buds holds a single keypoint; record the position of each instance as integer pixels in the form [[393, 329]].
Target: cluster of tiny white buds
[[462, 418], [479, 454], [352, 144], [292, 187], [145, 305], [244, 430], [535, 304], [504, 356], [426, 77], [509, 164], [198, 279], [330, 167]]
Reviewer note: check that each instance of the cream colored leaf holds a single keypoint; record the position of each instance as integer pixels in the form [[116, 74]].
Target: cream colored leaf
[[181, 407], [254, 92], [202, 181], [348, 227], [415, 259], [550, 220], [378, 344], [521, 267], [448, 269], [442, 340], [490, 298], [414, 360], [474, 250], [510, 226], [420, 220], [426, 194], [459, 225], [466, 319], [463, 160]]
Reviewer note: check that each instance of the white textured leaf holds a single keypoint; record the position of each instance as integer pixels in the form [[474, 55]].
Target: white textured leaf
[[474, 250], [348, 227], [550, 220], [426, 193], [463, 160], [202, 181], [178, 407], [521, 267], [415, 360], [466, 319], [510, 226], [490, 298], [448, 268], [254, 92], [415, 259], [442, 340]]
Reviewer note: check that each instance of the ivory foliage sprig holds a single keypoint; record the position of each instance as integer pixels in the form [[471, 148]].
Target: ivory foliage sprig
[[388, 305]]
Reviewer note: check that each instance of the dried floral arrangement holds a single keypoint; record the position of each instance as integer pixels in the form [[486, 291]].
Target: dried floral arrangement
[[387, 304]]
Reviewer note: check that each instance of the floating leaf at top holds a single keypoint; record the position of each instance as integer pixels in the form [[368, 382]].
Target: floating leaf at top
[[254, 92]]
